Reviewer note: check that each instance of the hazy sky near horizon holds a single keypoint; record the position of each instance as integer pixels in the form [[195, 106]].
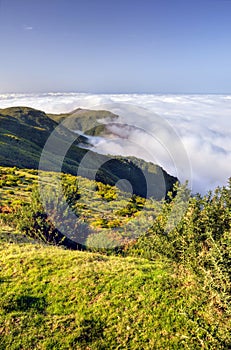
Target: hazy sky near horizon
[[176, 46]]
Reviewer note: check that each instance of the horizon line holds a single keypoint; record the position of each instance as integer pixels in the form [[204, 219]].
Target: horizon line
[[113, 93]]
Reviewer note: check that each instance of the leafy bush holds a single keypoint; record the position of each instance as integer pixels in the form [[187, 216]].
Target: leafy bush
[[32, 220], [201, 241]]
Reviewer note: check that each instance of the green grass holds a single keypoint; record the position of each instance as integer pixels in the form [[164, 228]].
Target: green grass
[[177, 298], [57, 299]]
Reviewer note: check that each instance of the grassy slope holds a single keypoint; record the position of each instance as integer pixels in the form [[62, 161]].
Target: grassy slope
[[100, 208], [51, 298], [57, 299]]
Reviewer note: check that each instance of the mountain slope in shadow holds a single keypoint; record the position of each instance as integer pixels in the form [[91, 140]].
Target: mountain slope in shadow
[[24, 132]]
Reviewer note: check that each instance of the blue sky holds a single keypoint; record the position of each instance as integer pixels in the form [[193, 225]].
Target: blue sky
[[166, 46]]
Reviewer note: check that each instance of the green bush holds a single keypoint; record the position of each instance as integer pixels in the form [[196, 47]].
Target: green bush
[[32, 220], [201, 241]]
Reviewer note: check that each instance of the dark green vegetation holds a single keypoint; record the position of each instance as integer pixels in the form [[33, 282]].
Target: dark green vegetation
[[24, 132], [165, 288]]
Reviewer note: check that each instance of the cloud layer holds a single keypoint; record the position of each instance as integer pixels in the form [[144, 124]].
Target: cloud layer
[[171, 127]]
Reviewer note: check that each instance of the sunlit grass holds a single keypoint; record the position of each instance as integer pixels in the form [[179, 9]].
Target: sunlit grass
[[57, 299]]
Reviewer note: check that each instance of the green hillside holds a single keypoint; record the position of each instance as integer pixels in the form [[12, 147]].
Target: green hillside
[[24, 132], [84, 120]]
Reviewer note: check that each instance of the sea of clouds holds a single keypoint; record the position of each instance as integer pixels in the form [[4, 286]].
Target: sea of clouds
[[188, 135]]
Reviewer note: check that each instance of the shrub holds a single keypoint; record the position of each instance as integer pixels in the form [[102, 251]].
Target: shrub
[[32, 220], [201, 241]]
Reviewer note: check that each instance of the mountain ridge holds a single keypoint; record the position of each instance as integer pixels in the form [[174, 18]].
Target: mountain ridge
[[24, 132]]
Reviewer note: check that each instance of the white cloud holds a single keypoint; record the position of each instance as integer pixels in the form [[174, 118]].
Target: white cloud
[[202, 123], [28, 28]]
